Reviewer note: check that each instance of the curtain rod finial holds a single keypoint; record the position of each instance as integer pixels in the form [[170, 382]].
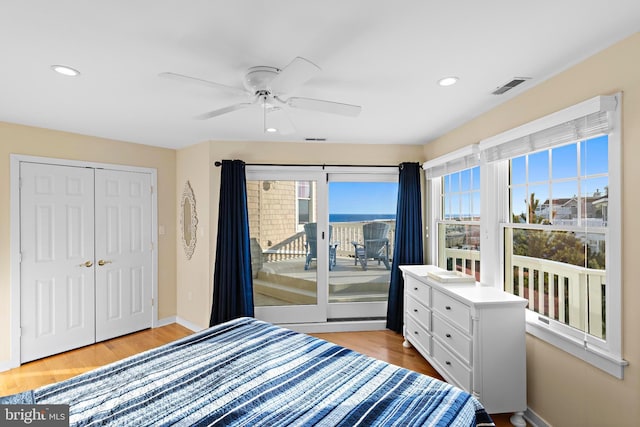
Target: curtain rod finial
[[218, 163]]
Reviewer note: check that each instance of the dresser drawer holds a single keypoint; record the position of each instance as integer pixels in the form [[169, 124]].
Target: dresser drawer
[[418, 290], [453, 367], [421, 313], [453, 310], [418, 336], [458, 341]]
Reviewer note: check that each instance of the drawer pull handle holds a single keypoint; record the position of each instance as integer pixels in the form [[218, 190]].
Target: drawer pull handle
[[415, 332], [448, 335], [415, 310], [448, 363], [447, 307], [415, 288]]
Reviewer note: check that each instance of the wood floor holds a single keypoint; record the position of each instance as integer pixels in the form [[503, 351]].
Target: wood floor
[[383, 345]]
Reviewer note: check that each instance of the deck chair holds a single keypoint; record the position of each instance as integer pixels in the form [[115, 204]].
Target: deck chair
[[311, 245], [375, 246]]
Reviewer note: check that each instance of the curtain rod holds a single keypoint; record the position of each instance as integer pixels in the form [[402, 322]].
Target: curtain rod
[[219, 163]]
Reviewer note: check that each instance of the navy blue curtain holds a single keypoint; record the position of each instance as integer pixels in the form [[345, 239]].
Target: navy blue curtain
[[408, 247], [232, 280]]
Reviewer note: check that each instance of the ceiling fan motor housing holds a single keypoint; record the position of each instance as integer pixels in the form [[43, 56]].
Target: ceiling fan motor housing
[[257, 79]]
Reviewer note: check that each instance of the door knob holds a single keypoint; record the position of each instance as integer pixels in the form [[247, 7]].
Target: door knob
[[86, 264], [103, 262]]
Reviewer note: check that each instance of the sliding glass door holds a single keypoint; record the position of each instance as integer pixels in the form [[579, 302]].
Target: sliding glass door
[[362, 215], [287, 228], [321, 242]]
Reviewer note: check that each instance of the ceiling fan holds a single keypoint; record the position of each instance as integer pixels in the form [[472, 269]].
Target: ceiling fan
[[268, 88]]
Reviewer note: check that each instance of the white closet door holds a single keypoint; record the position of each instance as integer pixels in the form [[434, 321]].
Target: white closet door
[[123, 253], [57, 272]]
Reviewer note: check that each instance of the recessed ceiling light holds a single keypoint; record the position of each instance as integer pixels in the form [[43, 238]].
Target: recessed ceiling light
[[65, 71], [447, 81], [271, 130]]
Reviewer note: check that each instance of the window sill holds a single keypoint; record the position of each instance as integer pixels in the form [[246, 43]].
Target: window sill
[[607, 362]]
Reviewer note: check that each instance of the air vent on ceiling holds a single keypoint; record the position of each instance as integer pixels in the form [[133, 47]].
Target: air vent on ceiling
[[513, 83], [315, 139]]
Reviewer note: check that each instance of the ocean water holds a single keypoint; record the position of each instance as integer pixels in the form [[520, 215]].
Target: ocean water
[[359, 217]]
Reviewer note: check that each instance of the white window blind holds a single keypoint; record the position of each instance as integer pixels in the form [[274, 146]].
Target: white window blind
[[582, 121], [464, 158]]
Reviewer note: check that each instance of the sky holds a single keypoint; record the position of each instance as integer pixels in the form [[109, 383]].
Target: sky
[[561, 170], [363, 197], [563, 173]]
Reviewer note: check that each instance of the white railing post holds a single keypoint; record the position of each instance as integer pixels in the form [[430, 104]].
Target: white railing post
[[596, 280], [577, 301], [552, 294]]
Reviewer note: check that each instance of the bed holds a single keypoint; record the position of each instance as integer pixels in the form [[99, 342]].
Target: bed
[[246, 372]]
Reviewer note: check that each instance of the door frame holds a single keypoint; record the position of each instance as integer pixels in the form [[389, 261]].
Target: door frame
[[14, 236], [313, 313], [324, 175], [341, 310]]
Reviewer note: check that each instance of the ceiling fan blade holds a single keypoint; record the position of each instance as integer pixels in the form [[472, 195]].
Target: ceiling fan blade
[[187, 79], [225, 110], [293, 75], [279, 120], [325, 106]]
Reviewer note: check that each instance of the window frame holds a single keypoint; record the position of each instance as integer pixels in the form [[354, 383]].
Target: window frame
[[604, 354], [309, 199], [456, 161], [442, 219]]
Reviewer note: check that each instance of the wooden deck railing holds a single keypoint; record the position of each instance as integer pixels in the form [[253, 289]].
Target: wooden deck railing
[[569, 294], [291, 247], [343, 233], [346, 232], [466, 261]]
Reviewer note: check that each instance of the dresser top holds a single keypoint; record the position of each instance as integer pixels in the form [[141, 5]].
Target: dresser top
[[473, 292]]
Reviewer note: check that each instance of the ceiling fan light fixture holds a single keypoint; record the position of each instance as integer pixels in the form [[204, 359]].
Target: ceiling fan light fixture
[[65, 70], [448, 81]]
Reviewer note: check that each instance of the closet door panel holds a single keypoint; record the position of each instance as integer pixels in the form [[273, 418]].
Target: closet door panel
[[123, 253], [57, 270]]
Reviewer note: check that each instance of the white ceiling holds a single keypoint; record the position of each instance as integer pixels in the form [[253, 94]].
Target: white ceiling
[[383, 55]]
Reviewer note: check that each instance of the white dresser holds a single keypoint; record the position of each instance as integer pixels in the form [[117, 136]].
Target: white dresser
[[473, 335]]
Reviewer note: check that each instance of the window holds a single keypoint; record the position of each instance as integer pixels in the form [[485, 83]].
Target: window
[[454, 191], [554, 187], [303, 194], [558, 262], [459, 229]]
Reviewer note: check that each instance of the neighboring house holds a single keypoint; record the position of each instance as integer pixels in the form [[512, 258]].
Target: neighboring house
[[565, 211], [282, 220]]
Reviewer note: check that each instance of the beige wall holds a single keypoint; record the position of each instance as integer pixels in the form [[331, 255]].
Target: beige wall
[[562, 389], [190, 166], [195, 290], [16, 139]]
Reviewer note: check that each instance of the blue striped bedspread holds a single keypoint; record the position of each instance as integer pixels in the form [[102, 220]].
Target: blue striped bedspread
[[251, 373]]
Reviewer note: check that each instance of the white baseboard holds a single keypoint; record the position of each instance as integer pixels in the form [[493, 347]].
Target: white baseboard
[[166, 321], [534, 419], [180, 321], [189, 325], [8, 365], [347, 326]]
